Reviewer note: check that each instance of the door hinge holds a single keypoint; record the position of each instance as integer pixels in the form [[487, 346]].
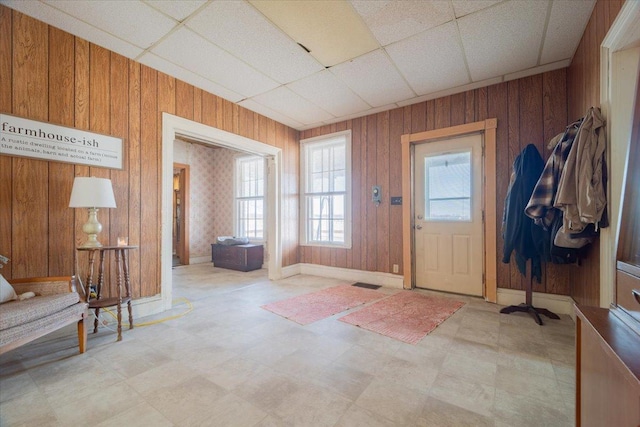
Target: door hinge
[[482, 216]]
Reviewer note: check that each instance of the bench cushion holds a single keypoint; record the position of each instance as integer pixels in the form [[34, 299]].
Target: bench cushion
[[16, 313]]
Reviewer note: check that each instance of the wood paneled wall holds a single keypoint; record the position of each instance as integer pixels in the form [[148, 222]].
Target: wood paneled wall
[[529, 110], [583, 91], [49, 75]]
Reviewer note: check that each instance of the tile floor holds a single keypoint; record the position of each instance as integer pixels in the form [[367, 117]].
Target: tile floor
[[230, 363]]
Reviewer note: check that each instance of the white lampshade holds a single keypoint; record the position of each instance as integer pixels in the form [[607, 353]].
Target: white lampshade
[[92, 192]]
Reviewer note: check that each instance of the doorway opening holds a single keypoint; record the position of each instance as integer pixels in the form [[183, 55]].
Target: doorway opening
[[180, 226], [173, 128]]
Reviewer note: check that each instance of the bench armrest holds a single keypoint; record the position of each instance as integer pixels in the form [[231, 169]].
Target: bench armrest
[[45, 285]]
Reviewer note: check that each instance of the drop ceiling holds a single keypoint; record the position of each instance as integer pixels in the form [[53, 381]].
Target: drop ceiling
[[307, 63]]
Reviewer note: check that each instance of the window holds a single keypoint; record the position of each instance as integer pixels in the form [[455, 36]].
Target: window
[[448, 187], [250, 185], [326, 186]]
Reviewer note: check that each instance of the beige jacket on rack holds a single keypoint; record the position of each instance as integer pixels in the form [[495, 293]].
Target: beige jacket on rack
[[581, 194]]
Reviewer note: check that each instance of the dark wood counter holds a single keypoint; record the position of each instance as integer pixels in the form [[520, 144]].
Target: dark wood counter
[[607, 370]]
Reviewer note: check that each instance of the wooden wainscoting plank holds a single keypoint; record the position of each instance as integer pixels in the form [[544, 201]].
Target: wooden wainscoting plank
[[382, 174], [149, 175], [61, 111]]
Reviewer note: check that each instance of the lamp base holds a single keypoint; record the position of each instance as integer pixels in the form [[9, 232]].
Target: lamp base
[[92, 242], [92, 227]]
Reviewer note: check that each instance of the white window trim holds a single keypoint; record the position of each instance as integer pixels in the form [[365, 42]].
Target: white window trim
[[348, 194], [237, 161]]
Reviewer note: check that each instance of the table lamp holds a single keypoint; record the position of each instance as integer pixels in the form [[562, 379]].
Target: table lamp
[[92, 193]]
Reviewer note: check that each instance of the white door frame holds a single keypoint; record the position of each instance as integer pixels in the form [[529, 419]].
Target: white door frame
[[488, 129], [618, 70], [172, 125]]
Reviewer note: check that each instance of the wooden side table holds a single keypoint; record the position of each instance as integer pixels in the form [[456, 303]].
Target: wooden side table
[[122, 277]]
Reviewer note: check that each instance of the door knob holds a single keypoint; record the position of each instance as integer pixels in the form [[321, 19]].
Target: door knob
[[419, 227]]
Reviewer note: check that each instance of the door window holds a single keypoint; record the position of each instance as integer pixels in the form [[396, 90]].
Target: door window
[[448, 187]]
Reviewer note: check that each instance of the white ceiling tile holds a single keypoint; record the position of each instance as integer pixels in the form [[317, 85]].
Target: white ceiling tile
[[213, 63], [248, 55], [256, 107], [242, 31], [566, 25], [332, 31], [452, 91], [188, 76], [178, 10], [465, 7], [369, 112], [538, 70], [285, 101], [504, 38], [391, 21], [74, 26], [328, 92], [132, 21], [374, 78], [432, 60]]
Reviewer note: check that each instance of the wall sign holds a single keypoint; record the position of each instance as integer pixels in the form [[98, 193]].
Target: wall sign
[[39, 140]]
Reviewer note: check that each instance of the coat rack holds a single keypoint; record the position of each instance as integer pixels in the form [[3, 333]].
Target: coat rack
[[527, 306]]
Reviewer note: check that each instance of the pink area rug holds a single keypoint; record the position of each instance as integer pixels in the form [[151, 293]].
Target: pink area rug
[[406, 316], [308, 308]]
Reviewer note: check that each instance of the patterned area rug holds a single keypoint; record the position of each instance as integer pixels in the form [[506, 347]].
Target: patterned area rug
[[406, 316], [308, 308]]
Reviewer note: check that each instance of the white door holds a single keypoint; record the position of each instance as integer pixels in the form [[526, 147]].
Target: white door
[[448, 226]]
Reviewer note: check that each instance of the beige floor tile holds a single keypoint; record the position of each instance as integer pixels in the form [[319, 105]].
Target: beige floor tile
[[66, 380], [437, 413], [104, 403], [526, 362], [529, 384], [15, 385], [474, 370], [187, 403], [167, 375], [473, 396], [31, 409], [363, 359], [231, 411], [230, 362], [346, 381], [395, 402], [356, 416], [140, 415], [235, 371], [312, 406], [418, 376], [268, 389], [514, 409]]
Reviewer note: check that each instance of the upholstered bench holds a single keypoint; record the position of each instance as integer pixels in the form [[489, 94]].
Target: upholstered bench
[[55, 305]]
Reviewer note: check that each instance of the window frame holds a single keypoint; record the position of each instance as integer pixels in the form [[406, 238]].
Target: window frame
[[236, 183], [305, 146]]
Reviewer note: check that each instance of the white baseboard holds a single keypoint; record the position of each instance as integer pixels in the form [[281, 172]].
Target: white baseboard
[[140, 308], [199, 259], [559, 304], [290, 270], [372, 277]]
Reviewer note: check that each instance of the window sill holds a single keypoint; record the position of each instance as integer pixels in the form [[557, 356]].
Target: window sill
[[326, 245]]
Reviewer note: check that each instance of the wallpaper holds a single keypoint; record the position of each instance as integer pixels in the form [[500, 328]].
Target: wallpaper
[[211, 201]]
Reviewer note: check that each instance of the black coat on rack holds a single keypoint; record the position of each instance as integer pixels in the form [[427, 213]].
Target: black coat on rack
[[520, 232]]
